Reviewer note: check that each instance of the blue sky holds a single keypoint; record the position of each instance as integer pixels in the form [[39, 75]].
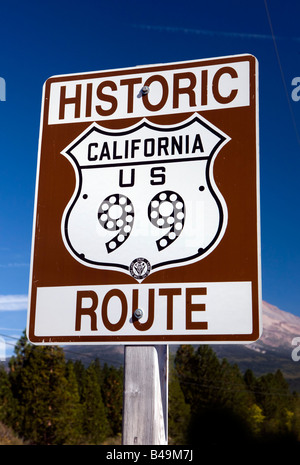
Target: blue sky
[[41, 39]]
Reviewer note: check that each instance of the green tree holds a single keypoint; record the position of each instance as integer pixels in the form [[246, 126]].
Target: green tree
[[296, 419], [199, 374], [233, 391], [185, 365], [7, 402], [178, 409], [216, 393], [250, 381], [79, 371], [112, 392], [73, 411], [277, 403], [95, 424], [40, 387], [255, 419]]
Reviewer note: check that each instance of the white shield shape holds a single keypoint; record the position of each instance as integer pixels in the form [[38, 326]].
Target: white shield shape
[[145, 197]]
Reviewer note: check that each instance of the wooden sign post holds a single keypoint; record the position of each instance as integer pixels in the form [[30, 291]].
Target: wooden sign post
[[145, 402]]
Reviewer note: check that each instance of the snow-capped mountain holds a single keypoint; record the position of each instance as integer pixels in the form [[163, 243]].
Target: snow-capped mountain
[[279, 328], [274, 348]]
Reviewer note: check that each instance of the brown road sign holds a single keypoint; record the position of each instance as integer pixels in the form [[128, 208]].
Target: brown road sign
[[146, 224]]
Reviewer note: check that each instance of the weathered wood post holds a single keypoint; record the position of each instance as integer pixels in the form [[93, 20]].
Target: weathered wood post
[[145, 398]]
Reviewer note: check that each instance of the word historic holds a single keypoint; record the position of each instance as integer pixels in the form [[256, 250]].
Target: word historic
[[196, 88]]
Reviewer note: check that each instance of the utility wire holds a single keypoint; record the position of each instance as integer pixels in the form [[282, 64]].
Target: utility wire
[[244, 389]]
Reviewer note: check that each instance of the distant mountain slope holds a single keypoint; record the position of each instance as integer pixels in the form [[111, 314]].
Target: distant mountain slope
[[271, 352], [279, 327]]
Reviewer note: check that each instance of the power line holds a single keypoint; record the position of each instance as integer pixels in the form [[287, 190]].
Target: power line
[[244, 389]]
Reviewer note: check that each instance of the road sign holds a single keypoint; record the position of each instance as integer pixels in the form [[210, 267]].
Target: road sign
[[147, 198]]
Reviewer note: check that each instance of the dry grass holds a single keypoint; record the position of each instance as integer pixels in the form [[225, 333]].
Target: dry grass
[[115, 441], [8, 437]]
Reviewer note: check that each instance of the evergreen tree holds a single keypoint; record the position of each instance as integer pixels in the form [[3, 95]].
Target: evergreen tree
[[79, 371], [112, 392], [73, 411], [217, 394], [37, 375], [250, 381], [234, 393], [185, 366], [199, 375], [98, 371], [296, 419], [178, 409], [7, 402], [95, 424]]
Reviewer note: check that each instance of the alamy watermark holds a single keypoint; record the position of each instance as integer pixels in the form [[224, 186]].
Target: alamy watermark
[[296, 351], [2, 90], [296, 91]]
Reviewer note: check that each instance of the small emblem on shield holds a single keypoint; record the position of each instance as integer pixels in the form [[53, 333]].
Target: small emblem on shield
[[146, 191], [140, 268]]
